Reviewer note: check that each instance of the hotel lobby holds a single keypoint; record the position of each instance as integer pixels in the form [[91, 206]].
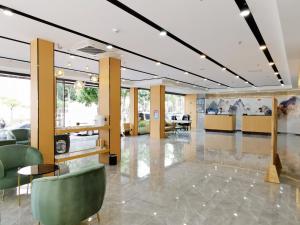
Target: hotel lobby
[[133, 113]]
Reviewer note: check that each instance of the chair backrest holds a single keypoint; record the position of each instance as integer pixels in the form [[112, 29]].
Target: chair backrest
[[21, 134], [13, 156], [173, 117], [186, 117], [7, 142], [70, 198]]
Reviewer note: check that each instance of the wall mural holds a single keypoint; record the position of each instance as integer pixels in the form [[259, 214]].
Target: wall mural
[[288, 110], [239, 106]]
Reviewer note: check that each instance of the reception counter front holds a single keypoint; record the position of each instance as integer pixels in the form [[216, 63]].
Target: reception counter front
[[219, 122], [256, 124]]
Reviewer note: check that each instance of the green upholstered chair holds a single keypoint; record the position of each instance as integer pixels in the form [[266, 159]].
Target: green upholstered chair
[[70, 198], [7, 142], [21, 135], [13, 157]]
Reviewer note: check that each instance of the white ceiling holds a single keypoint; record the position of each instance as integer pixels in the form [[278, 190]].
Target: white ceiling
[[212, 26]]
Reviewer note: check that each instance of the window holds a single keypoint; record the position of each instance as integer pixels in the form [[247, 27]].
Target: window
[[14, 103], [174, 106], [75, 107], [125, 105]]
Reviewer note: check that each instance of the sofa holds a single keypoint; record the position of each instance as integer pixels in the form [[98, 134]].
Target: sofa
[[70, 198], [21, 135], [13, 157]]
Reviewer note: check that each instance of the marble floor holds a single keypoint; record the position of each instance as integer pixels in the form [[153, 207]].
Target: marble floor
[[189, 178]]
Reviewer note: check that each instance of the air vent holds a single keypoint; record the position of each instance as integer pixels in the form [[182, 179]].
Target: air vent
[[91, 50]]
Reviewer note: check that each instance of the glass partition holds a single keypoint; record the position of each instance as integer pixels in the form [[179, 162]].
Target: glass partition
[[174, 106]]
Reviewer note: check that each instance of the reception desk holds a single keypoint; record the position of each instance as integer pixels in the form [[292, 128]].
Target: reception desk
[[257, 124], [219, 122]]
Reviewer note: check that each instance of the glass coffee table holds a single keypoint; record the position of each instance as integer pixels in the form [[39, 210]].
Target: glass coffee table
[[34, 170]]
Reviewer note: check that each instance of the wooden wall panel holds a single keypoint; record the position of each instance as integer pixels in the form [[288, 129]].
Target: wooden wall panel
[[43, 98], [134, 110], [110, 103]]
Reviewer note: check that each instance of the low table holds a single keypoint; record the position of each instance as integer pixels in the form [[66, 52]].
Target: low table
[[35, 170]]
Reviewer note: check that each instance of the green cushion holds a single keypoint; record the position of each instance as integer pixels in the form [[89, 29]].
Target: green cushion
[[21, 134], [70, 198], [10, 179]]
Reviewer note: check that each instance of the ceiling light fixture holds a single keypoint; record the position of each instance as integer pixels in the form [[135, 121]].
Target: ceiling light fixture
[[203, 56], [223, 68], [69, 64], [271, 63], [115, 30], [94, 78], [245, 11], [163, 33], [186, 73], [123, 68], [246, 82], [237, 77], [109, 47], [276, 73], [282, 85], [79, 85], [204, 79], [59, 73], [219, 84], [157, 63], [7, 12], [87, 68], [72, 56], [262, 47]]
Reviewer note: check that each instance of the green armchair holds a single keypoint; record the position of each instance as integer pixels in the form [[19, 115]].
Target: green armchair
[[13, 157], [70, 198], [7, 142], [21, 135]]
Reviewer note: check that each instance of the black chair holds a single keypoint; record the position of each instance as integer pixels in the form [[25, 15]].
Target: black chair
[[185, 125], [173, 117]]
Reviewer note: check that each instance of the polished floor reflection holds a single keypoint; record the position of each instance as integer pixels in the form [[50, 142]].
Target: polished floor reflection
[[190, 178]]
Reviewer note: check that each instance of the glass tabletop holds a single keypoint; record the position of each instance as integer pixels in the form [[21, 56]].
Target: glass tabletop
[[38, 169]]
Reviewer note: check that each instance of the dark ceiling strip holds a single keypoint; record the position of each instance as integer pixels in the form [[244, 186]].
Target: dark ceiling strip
[[174, 37], [64, 68], [100, 41], [242, 5]]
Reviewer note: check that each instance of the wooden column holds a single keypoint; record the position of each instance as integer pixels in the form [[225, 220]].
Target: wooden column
[[190, 103], [157, 111], [43, 98], [273, 171], [110, 104], [134, 117]]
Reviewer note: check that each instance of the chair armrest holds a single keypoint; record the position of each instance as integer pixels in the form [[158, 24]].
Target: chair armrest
[[1, 169], [33, 157]]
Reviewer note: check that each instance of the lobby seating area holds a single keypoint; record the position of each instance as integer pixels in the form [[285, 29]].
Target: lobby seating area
[[149, 113]]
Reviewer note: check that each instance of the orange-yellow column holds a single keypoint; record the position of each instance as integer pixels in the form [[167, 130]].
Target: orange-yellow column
[[110, 104], [190, 103], [157, 111], [134, 117], [43, 98]]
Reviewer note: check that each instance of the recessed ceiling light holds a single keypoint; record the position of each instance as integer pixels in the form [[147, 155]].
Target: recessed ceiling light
[[87, 68], [194, 86], [72, 56], [276, 73], [246, 82], [123, 68], [163, 33], [186, 73], [271, 63], [223, 68], [245, 12], [7, 12], [157, 63], [69, 64], [202, 56], [177, 82], [109, 47], [204, 79], [237, 77], [262, 47], [282, 85], [59, 73], [219, 84]]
